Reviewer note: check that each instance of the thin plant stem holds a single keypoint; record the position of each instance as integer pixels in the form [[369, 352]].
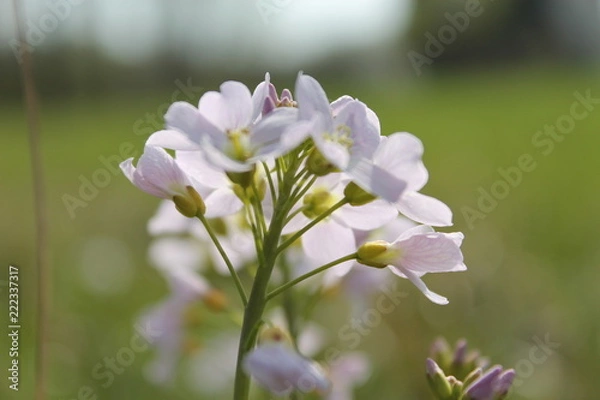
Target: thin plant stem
[[234, 275], [297, 195], [314, 272], [270, 181], [44, 279]]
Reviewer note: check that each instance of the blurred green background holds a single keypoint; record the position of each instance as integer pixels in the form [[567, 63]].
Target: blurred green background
[[534, 260]]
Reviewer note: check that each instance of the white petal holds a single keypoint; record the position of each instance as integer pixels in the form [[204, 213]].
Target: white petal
[[167, 220], [430, 252], [298, 222], [424, 209], [280, 369], [414, 230], [334, 152], [418, 282], [259, 95], [172, 139], [367, 217], [222, 202], [341, 102], [220, 160], [172, 255], [229, 109], [365, 135], [400, 154], [377, 180], [267, 134], [194, 163], [311, 98], [328, 241]]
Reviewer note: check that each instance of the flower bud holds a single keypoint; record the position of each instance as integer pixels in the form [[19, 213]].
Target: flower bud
[[357, 196], [317, 202], [373, 253], [244, 179], [318, 164], [437, 381], [190, 205], [275, 334], [215, 300]]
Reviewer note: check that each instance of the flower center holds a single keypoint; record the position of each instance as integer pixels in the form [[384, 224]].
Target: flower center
[[341, 135], [239, 144]]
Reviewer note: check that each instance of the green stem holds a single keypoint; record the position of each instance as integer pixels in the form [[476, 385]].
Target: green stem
[[314, 272], [289, 305], [312, 223], [257, 301], [270, 181], [234, 275]]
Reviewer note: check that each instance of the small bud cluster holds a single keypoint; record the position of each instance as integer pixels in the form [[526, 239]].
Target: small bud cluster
[[462, 375]]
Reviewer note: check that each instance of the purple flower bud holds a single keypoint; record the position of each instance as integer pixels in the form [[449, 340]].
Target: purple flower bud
[[504, 381], [484, 388], [460, 352], [431, 367]]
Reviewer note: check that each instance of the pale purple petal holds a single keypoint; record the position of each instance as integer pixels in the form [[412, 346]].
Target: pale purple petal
[[418, 282], [367, 217], [231, 108], [311, 98], [172, 139], [280, 369], [259, 95], [336, 153], [194, 163], [431, 252], [400, 154], [266, 135], [167, 220], [377, 180], [338, 104], [424, 209], [222, 202], [365, 136], [328, 241], [221, 160]]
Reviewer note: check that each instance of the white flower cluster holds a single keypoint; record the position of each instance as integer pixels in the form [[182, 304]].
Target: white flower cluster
[[292, 185]]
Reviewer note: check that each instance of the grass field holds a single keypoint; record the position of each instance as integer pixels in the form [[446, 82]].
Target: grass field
[[532, 252]]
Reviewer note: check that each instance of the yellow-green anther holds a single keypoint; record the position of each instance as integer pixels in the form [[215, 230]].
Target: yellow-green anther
[[238, 144], [357, 196], [317, 202]]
